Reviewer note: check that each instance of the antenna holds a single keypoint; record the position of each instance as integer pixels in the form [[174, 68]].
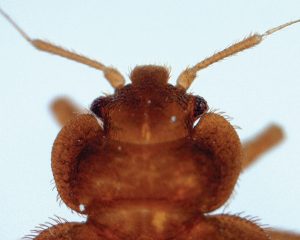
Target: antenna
[[114, 77], [186, 78]]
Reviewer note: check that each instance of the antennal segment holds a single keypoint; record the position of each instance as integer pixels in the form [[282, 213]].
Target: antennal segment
[[186, 78], [269, 32], [24, 35], [114, 77]]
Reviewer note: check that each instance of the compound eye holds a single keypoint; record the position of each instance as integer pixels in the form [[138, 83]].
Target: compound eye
[[200, 106], [98, 105]]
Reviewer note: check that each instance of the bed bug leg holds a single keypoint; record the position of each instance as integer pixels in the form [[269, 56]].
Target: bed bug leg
[[266, 140], [64, 110], [282, 235]]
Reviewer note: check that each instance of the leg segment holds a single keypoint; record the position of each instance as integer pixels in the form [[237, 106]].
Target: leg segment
[[64, 110], [260, 144], [283, 235]]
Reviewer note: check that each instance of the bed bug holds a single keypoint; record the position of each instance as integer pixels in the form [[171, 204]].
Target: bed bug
[[151, 161]]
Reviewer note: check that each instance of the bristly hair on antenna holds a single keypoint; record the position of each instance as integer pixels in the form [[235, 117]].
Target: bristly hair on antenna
[[114, 77], [186, 78]]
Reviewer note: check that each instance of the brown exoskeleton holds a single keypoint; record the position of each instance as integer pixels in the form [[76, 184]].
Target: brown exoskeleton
[[140, 166]]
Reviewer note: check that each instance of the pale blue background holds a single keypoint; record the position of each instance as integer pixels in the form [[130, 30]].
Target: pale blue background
[[256, 87]]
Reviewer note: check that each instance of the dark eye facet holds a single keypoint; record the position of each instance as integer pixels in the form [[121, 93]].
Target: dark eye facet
[[98, 105], [200, 106]]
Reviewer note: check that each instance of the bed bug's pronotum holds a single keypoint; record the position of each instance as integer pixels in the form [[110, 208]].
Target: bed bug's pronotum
[[141, 166]]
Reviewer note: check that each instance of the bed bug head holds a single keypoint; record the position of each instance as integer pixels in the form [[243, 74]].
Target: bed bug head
[[149, 110]]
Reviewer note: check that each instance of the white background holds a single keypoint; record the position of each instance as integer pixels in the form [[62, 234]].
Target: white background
[[256, 87]]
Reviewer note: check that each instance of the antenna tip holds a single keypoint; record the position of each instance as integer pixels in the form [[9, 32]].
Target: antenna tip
[[275, 29], [14, 24]]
